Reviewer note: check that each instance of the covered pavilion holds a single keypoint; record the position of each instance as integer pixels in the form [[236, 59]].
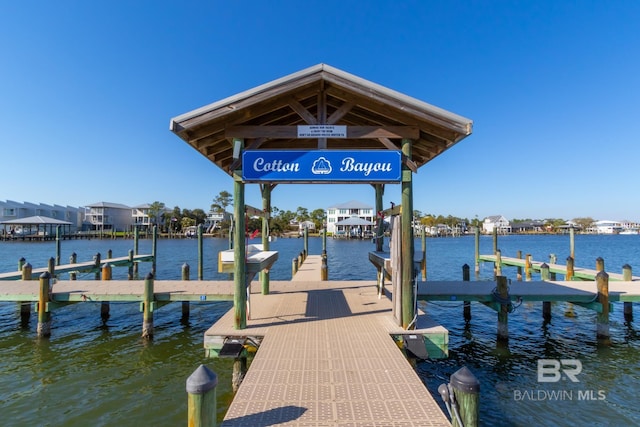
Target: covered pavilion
[[42, 226], [323, 111]]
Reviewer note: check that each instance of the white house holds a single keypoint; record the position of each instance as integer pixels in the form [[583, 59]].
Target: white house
[[11, 210], [496, 222], [347, 210], [607, 226], [103, 216]]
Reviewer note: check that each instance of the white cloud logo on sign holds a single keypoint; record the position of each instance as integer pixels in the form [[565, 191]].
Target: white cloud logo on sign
[[321, 166]]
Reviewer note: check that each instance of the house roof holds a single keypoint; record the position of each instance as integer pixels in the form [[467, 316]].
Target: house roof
[[354, 220], [353, 204], [36, 220], [266, 117], [108, 205]]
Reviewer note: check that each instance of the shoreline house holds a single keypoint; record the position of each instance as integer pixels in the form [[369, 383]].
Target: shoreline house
[[496, 222], [11, 210], [607, 226], [352, 217], [107, 216]]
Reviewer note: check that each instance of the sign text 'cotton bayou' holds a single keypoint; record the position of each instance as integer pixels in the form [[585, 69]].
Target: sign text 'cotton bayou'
[[321, 166]]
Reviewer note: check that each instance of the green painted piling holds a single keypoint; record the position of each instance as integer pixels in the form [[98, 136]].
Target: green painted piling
[[627, 276], [602, 318], [423, 263], [407, 248], [130, 268], [154, 249], [265, 190], [503, 312], [466, 389], [44, 317], [185, 304], [477, 250], [240, 297], [201, 398], [136, 237], [466, 304], [200, 254], [546, 305], [305, 234], [147, 308]]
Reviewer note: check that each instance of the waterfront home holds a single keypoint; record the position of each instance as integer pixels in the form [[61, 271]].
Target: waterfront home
[[606, 226], [107, 216], [343, 211], [496, 222], [11, 210]]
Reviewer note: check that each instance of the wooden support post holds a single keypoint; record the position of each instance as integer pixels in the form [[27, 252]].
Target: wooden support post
[[407, 251], [466, 389], [25, 306], [109, 254], [58, 239], [104, 305], [239, 247], [503, 312], [519, 269], [477, 250], [495, 239], [379, 218], [136, 237], [200, 254], [154, 250], [527, 268], [201, 398], [305, 241], [185, 304], [467, 304], [294, 267], [599, 264], [44, 317], [324, 272], [265, 189], [423, 263], [52, 267], [546, 305], [130, 268], [497, 267], [552, 260], [570, 272], [72, 260], [627, 276], [21, 262], [572, 243], [602, 281], [147, 308], [96, 261]]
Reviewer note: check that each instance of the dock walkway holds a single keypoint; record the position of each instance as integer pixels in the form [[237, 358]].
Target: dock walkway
[[327, 358]]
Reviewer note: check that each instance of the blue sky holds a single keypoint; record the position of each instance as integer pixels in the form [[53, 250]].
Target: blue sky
[[87, 90]]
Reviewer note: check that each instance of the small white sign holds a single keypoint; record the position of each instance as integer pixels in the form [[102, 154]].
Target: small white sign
[[322, 131]]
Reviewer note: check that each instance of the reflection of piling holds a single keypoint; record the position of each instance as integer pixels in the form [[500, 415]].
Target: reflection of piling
[[104, 306], [628, 306]]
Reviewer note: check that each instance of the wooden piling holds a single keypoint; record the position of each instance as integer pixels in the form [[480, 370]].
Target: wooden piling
[[423, 262], [503, 312], [185, 304], [294, 267], [104, 305], [602, 281], [200, 254], [136, 237], [628, 306], [497, 266], [570, 269], [25, 306], [324, 269], [477, 250], [466, 304], [527, 268], [72, 260], [130, 269], [58, 239], [44, 317], [552, 260], [21, 262], [546, 305], [519, 269], [147, 308], [154, 249], [466, 389], [201, 398]]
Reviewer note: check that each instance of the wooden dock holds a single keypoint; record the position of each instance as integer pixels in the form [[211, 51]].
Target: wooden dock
[[327, 357], [578, 273]]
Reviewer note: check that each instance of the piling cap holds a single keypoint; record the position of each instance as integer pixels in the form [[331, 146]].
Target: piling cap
[[464, 380], [201, 380]]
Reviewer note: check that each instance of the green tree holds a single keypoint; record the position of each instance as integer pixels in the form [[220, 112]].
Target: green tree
[[221, 202], [156, 209]]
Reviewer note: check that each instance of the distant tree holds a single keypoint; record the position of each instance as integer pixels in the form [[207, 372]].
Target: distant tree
[[187, 222], [317, 216], [155, 210], [199, 215], [302, 214], [221, 202], [584, 223]]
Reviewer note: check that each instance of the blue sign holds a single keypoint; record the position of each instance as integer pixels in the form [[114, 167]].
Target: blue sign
[[322, 166]]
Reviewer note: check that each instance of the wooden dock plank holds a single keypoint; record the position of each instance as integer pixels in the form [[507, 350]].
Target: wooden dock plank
[[309, 270], [327, 359]]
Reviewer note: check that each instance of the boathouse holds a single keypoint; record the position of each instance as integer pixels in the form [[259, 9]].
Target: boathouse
[[323, 116]]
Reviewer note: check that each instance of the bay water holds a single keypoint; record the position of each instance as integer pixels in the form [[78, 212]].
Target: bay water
[[91, 373]]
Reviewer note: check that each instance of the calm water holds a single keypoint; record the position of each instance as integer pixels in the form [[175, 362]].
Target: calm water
[[89, 373]]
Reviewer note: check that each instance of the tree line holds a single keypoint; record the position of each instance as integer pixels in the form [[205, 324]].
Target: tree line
[[177, 220]]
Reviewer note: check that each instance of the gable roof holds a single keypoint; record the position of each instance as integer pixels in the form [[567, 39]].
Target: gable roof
[[353, 204], [34, 220], [319, 94]]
